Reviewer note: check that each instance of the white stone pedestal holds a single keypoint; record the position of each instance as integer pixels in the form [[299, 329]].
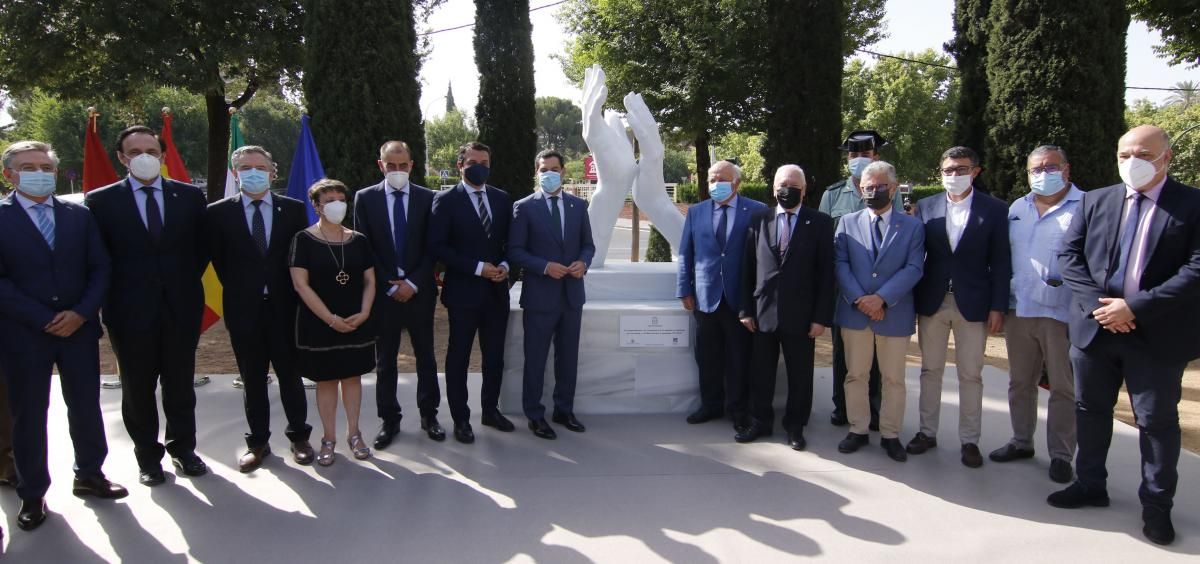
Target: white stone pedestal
[[612, 378]]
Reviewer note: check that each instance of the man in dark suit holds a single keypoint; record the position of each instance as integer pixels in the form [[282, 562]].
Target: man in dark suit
[[394, 215], [54, 272], [249, 238], [787, 301], [151, 226], [551, 241], [709, 285], [964, 290], [1132, 260], [468, 232]]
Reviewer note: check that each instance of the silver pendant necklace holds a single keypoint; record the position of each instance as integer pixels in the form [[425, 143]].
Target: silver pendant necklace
[[342, 278]]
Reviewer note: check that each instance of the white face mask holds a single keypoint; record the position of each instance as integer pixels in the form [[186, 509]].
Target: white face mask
[[334, 211], [957, 185], [1137, 173], [397, 179], [145, 167]]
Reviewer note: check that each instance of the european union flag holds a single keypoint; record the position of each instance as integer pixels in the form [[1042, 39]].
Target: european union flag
[[306, 168]]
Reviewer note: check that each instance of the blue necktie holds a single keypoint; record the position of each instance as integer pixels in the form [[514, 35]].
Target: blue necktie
[[258, 229], [154, 220], [45, 223], [1116, 282], [877, 238], [722, 226], [399, 227]]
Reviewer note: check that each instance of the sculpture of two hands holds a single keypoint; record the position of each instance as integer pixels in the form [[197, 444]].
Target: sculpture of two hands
[[618, 172]]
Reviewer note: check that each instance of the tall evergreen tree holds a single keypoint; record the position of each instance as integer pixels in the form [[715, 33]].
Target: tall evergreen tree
[[969, 48], [450, 107], [804, 121], [361, 90], [1056, 72], [505, 112]]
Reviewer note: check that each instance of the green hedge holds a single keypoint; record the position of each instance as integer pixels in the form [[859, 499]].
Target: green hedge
[[688, 194], [657, 249]]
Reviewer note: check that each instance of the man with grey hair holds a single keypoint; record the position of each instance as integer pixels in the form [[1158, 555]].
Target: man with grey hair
[[709, 284], [1039, 310], [54, 273]]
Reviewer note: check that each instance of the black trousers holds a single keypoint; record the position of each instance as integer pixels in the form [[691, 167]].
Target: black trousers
[[541, 327], [490, 322], [8, 468], [415, 317], [1155, 388], [723, 358], [164, 354], [798, 355], [874, 384], [270, 343]]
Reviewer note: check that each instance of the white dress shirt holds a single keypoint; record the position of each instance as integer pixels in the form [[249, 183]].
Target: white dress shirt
[[869, 220], [471, 191], [780, 217], [562, 212], [957, 214], [392, 194]]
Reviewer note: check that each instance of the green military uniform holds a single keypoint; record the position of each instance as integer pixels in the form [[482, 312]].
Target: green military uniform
[[842, 198]]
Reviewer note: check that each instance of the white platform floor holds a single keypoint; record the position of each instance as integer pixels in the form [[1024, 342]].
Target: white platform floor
[[645, 488]]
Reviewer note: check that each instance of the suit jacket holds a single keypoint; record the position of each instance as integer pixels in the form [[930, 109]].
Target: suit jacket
[[981, 265], [148, 276], [36, 282], [1167, 304], [892, 275], [371, 219], [793, 292], [243, 270], [457, 239], [704, 271], [534, 241]]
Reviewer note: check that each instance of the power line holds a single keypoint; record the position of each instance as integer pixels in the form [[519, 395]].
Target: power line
[[464, 26]]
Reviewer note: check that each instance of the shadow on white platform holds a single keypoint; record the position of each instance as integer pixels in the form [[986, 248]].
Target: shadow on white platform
[[633, 488]]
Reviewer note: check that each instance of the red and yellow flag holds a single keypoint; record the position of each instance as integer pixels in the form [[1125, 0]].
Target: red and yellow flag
[[97, 169]]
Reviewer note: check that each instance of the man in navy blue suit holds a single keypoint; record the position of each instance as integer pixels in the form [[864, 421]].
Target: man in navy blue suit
[[468, 232], [709, 285], [394, 215], [551, 241], [1132, 260], [964, 290], [54, 273]]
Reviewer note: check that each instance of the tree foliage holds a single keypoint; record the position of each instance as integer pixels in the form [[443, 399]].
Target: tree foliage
[[505, 112], [560, 125], [969, 48], [1186, 95], [1179, 23], [444, 135], [1176, 120]]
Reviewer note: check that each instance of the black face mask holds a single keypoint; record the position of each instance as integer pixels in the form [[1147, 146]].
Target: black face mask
[[788, 197], [881, 200]]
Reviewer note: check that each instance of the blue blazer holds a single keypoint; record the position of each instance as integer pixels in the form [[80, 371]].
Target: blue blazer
[[36, 282], [457, 239], [892, 275], [534, 241], [1168, 304], [371, 219], [981, 265], [704, 271]]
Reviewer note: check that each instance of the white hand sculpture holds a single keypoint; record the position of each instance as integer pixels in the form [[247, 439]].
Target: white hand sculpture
[[615, 168], [650, 192]]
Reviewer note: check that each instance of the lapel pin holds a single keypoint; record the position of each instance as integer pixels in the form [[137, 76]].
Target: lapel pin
[[807, 221]]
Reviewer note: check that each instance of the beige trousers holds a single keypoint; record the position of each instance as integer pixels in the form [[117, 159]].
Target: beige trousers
[[970, 338], [1032, 342], [863, 346]]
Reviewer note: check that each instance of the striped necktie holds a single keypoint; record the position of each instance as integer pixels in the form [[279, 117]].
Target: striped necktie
[[45, 222], [483, 214]]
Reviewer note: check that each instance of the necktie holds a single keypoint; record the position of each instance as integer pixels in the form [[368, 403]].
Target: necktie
[[154, 222], [1116, 281], [785, 234], [484, 218], [45, 221], [877, 237], [258, 228], [557, 215], [399, 227], [722, 227]]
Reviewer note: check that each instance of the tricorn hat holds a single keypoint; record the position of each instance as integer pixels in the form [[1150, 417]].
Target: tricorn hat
[[863, 140]]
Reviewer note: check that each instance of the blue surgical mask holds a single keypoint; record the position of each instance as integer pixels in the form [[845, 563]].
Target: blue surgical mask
[[720, 191], [550, 181], [36, 183], [857, 165], [254, 181], [477, 174], [1046, 183]]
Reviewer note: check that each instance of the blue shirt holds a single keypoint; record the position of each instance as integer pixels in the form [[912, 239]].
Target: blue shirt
[[139, 196], [267, 209], [1036, 242]]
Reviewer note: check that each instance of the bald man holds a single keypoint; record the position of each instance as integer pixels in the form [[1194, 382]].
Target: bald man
[[1132, 261]]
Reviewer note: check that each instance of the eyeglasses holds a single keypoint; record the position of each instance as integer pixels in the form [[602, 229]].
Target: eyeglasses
[[956, 171], [789, 187], [1048, 169], [875, 188]]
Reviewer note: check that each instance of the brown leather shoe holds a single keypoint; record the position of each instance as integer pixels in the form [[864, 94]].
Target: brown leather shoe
[[253, 458], [971, 457], [302, 453]]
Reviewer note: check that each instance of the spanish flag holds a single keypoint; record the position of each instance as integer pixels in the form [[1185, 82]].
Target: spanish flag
[[97, 169]]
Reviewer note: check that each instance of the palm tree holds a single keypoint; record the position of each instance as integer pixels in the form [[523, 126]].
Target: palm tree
[[1186, 94]]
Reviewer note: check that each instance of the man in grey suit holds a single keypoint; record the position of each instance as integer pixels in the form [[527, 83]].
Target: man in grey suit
[[550, 238]]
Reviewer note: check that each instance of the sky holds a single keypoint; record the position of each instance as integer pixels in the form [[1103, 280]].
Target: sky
[[912, 25]]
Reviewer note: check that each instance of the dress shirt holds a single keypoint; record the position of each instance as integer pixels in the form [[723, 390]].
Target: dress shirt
[[392, 194], [471, 191], [139, 196], [1139, 254], [780, 217], [716, 216], [957, 214], [562, 211], [1035, 242], [28, 204], [869, 221], [267, 208]]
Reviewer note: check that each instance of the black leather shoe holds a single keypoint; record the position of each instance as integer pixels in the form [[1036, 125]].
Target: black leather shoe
[[1157, 525], [190, 465], [1009, 453], [463, 433], [542, 429], [432, 428], [493, 418], [853, 442], [569, 421], [387, 431], [302, 453], [703, 415], [98, 486], [1076, 496], [921, 443], [32, 515], [753, 432], [796, 440], [151, 477], [1060, 471], [838, 419], [971, 457], [894, 449]]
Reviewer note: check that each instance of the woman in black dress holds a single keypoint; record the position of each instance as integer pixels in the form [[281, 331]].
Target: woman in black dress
[[333, 273]]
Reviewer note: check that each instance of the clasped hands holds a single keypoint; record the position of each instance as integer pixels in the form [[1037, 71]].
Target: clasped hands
[[348, 324], [494, 273], [64, 324], [558, 271], [1115, 315], [872, 306]]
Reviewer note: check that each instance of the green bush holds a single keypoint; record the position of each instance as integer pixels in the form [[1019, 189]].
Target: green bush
[[921, 192], [658, 249], [688, 193]]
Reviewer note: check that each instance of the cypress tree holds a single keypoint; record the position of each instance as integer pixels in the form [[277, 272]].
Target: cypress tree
[[505, 112], [1056, 72], [803, 90], [360, 82], [450, 107], [969, 48]]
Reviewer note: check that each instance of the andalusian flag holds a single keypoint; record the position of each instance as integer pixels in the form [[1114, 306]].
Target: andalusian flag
[[235, 140]]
